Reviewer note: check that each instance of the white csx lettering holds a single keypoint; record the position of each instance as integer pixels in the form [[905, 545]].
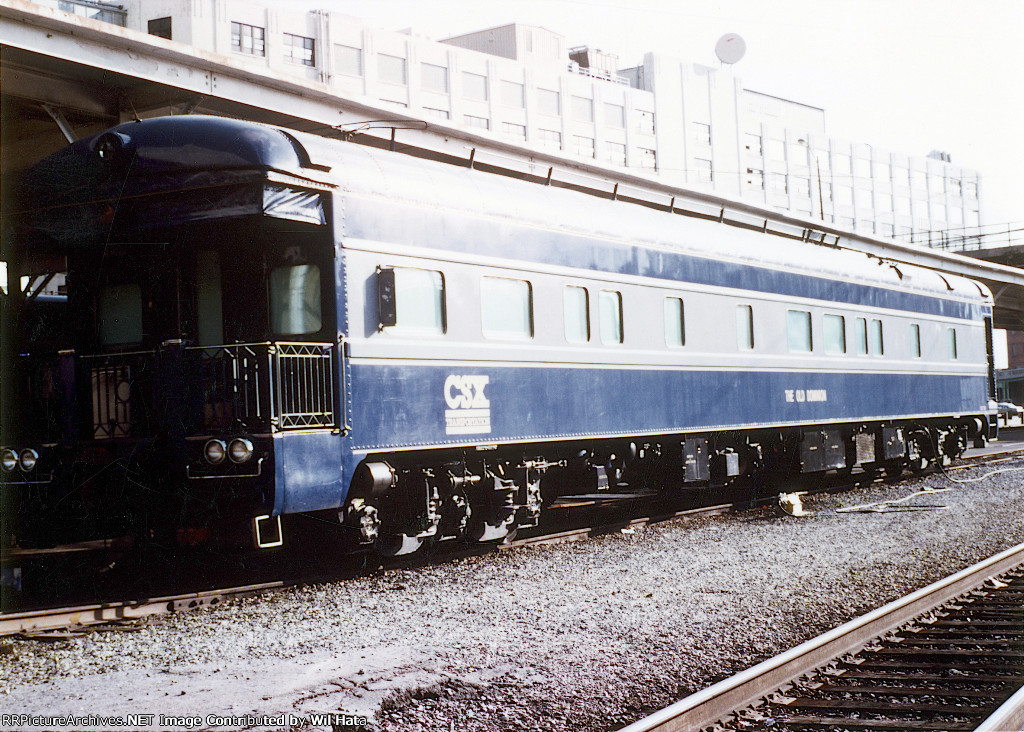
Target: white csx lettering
[[466, 392]]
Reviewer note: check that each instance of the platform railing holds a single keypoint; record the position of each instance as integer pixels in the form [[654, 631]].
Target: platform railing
[[304, 385], [234, 384], [273, 386], [249, 387], [121, 391]]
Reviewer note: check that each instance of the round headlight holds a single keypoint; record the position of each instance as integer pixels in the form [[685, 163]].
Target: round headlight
[[240, 450], [215, 452], [8, 459], [28, 459]]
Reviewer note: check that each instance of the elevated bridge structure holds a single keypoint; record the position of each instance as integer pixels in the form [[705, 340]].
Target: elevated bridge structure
[[64, 76]]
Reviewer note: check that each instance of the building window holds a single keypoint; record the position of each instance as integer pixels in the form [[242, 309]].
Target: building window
[[615, 152], [160, 27], [411, 298], [615, 116], [645, 121], [582, 109], [584, 146], [549, 102], [675, 325], [299, 49], [647, 158], [439, 113], [513, 94], [703, 170], [295, 299], [348, 60], [776, 150], [862, 171], [611, 316], [474, 86], [798, 153], [506, 308], [576, 313], [434, 78], [513, 131], [842, 167], [919, 181], [550, 138], [745, 327], [391, 69], [753, 144], [799, 186], [248, 39], [755, 178], [481, 122], [951, 343], [834, 333], [798, 330], [777, 183], [702, 134], [915, 340]]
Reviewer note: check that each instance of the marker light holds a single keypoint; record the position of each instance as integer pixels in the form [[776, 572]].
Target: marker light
[[215, 452], [28, 459], [8, 459], [240, 450]]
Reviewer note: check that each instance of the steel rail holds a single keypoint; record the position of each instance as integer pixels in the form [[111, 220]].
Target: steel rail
[[716, 702], [589, 532], [1009, 717], [48, 619], [37, 621]]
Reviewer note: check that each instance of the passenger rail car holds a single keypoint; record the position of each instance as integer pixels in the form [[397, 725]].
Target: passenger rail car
[[270, 323]]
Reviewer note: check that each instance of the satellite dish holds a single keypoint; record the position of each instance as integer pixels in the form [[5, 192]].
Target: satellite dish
[[730, 48]]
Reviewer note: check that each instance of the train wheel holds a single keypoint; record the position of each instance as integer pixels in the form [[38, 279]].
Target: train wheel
[[395, 545], [481, 531], [916, 459], [893, 469]]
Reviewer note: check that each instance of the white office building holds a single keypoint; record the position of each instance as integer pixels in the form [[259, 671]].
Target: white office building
[[686, 124]]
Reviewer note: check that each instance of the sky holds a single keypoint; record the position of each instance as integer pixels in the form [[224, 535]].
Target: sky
[[907, 76]]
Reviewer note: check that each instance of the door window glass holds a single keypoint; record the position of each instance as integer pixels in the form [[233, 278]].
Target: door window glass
[[120, 314], [295, 300]]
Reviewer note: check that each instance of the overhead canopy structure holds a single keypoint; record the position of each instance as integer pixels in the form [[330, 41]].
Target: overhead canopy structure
[[63, 77]]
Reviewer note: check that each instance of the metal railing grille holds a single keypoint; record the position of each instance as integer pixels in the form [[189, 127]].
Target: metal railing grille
[[251, 387], [234, 385], [304, 385], [121, 393]]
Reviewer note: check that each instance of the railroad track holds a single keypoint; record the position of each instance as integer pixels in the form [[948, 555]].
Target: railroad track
[[55, 622], [60, 622], [946, 657]]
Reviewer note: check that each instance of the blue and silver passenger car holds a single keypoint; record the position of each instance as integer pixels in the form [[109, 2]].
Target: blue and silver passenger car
[[267, 323]]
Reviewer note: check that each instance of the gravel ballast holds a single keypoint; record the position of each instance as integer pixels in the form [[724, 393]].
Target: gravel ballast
[[584, 636]]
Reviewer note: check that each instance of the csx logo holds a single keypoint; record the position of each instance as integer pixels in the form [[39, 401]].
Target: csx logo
[[466, 392]]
